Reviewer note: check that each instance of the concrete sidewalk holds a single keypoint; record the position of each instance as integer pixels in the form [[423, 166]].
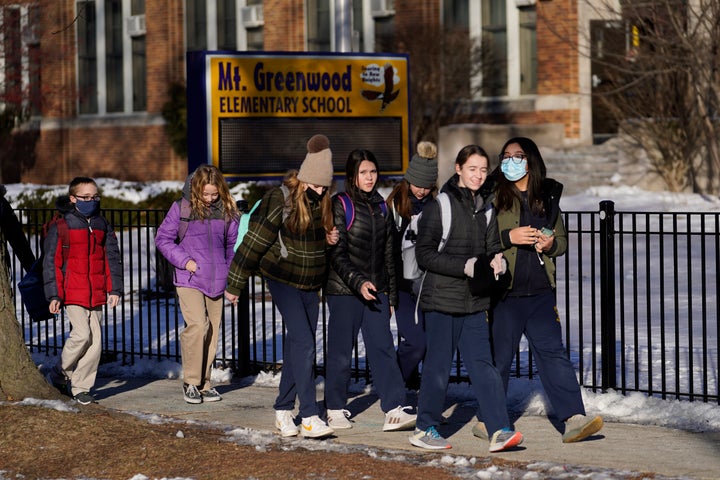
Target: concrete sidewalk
[[618, 446]]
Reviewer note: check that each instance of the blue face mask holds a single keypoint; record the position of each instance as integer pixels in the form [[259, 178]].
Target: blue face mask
[[513, 171], [89, 208]]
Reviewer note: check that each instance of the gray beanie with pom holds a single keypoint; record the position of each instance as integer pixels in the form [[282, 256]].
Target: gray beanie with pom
[[423, 169]]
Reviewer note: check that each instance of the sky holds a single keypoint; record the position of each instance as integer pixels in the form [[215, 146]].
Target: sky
[[634, 408]]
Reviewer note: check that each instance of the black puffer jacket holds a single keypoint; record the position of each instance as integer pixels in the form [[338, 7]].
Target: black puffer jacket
[[472, 232], [365, 252]]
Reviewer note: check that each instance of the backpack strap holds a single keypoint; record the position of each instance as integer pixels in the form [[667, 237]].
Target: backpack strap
[[349, 208], [384, 208], [285, 215], [64, 236], [244, 224], [446, 218], [396, 217], [185, 213]]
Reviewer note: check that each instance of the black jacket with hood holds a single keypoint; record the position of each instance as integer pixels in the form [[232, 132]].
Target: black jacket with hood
[[473, 232]]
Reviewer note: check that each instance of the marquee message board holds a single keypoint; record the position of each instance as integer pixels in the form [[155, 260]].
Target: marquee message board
[[251, 113]]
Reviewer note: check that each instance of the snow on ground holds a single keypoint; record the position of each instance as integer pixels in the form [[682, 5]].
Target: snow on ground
[[634, 408]]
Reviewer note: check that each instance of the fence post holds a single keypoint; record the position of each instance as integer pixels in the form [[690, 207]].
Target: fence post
[[243, 333], [607, 294]]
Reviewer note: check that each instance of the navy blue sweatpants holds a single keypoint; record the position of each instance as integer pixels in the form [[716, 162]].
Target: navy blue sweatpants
[[411, 335], [536, 317], [471, 334], [348, 316], [300, 310]]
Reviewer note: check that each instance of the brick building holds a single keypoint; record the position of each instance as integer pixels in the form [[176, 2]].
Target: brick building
[[91, 76]]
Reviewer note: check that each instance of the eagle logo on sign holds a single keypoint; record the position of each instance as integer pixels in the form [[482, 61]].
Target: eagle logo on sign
[[387, 95]]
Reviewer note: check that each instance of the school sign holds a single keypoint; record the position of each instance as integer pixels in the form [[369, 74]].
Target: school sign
[[251, 114]]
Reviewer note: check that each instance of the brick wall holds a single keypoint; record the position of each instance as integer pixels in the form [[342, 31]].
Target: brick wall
[[284, 28], [557, 37], [65, 147]]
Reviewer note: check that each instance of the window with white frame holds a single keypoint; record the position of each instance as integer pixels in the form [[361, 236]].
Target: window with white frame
[[224, 25], [495, 47], [319, 26], [111, 63], [528, 50], [372, 27], [253, 31], [507, 33], [227, 24], [20, 59], [11, 87]]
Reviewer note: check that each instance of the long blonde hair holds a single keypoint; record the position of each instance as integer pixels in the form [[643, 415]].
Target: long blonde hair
[[300, 218], [210, 175]]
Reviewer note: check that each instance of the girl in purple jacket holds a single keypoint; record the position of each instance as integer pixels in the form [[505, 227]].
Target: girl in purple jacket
[[197, 237]]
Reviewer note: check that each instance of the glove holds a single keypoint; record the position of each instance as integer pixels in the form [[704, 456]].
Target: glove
[[499, 265], [470, 267]]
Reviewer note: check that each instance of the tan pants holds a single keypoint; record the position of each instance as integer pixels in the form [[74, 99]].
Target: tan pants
[[81, 354], [199, 338]]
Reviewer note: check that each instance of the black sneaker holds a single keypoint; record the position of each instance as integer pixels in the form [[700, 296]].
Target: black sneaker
[[84, 398], [210, 395], [61, 387], [191, 394]]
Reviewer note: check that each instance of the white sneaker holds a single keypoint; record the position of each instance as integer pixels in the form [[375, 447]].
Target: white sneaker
[[338, 419], [579, 427], [313, 427], [285, 422], [398, 419]]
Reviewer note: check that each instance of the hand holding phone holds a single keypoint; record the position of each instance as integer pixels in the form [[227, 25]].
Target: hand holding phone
[[547, 232]]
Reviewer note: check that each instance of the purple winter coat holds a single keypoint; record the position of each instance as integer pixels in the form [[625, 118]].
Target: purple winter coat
[[209, 242]]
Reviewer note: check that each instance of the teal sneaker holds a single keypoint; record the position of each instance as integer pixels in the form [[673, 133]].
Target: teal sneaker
[[429, 439]]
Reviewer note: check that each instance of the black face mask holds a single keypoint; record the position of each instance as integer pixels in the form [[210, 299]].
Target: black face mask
[[313, 196]]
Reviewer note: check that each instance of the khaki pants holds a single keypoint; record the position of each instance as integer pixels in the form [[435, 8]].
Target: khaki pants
[[81, 354], [199, 338]]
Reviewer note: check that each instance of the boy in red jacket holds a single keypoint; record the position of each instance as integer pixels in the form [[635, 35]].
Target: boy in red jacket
[[83, 279]]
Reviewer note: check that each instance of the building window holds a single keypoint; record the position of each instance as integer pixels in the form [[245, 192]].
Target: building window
[[254, 38], [139, 62], [223, 25], [196, 25], [456, 14], [528, 51], [227, 25], [114, 56], [494, 45], [87, 57], [318, 26], [12, 68], [112, 74]]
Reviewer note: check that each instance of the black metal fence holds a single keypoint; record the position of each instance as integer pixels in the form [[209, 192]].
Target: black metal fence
[[637, 297]]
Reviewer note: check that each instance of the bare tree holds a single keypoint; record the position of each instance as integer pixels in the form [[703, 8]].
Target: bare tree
[[19, 376], [444, 65], [664, 88]]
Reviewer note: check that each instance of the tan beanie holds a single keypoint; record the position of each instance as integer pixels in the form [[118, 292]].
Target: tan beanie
[[317, 168]]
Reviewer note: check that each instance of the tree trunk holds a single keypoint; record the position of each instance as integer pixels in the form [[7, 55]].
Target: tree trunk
[[19, 376]]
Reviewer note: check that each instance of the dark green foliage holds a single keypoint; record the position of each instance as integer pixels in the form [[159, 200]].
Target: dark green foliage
[[175, 114]]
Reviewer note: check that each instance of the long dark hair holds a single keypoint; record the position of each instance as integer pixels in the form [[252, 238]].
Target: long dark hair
[[506, 191], [352, 166]]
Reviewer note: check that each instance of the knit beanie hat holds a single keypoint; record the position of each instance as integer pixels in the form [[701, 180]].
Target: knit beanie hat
[[423, 169], [317, 168]]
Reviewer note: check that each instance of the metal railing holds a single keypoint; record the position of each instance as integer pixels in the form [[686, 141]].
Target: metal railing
[[637, 298]]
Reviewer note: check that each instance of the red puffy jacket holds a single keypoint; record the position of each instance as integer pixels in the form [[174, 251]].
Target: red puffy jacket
[[92, 266]]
